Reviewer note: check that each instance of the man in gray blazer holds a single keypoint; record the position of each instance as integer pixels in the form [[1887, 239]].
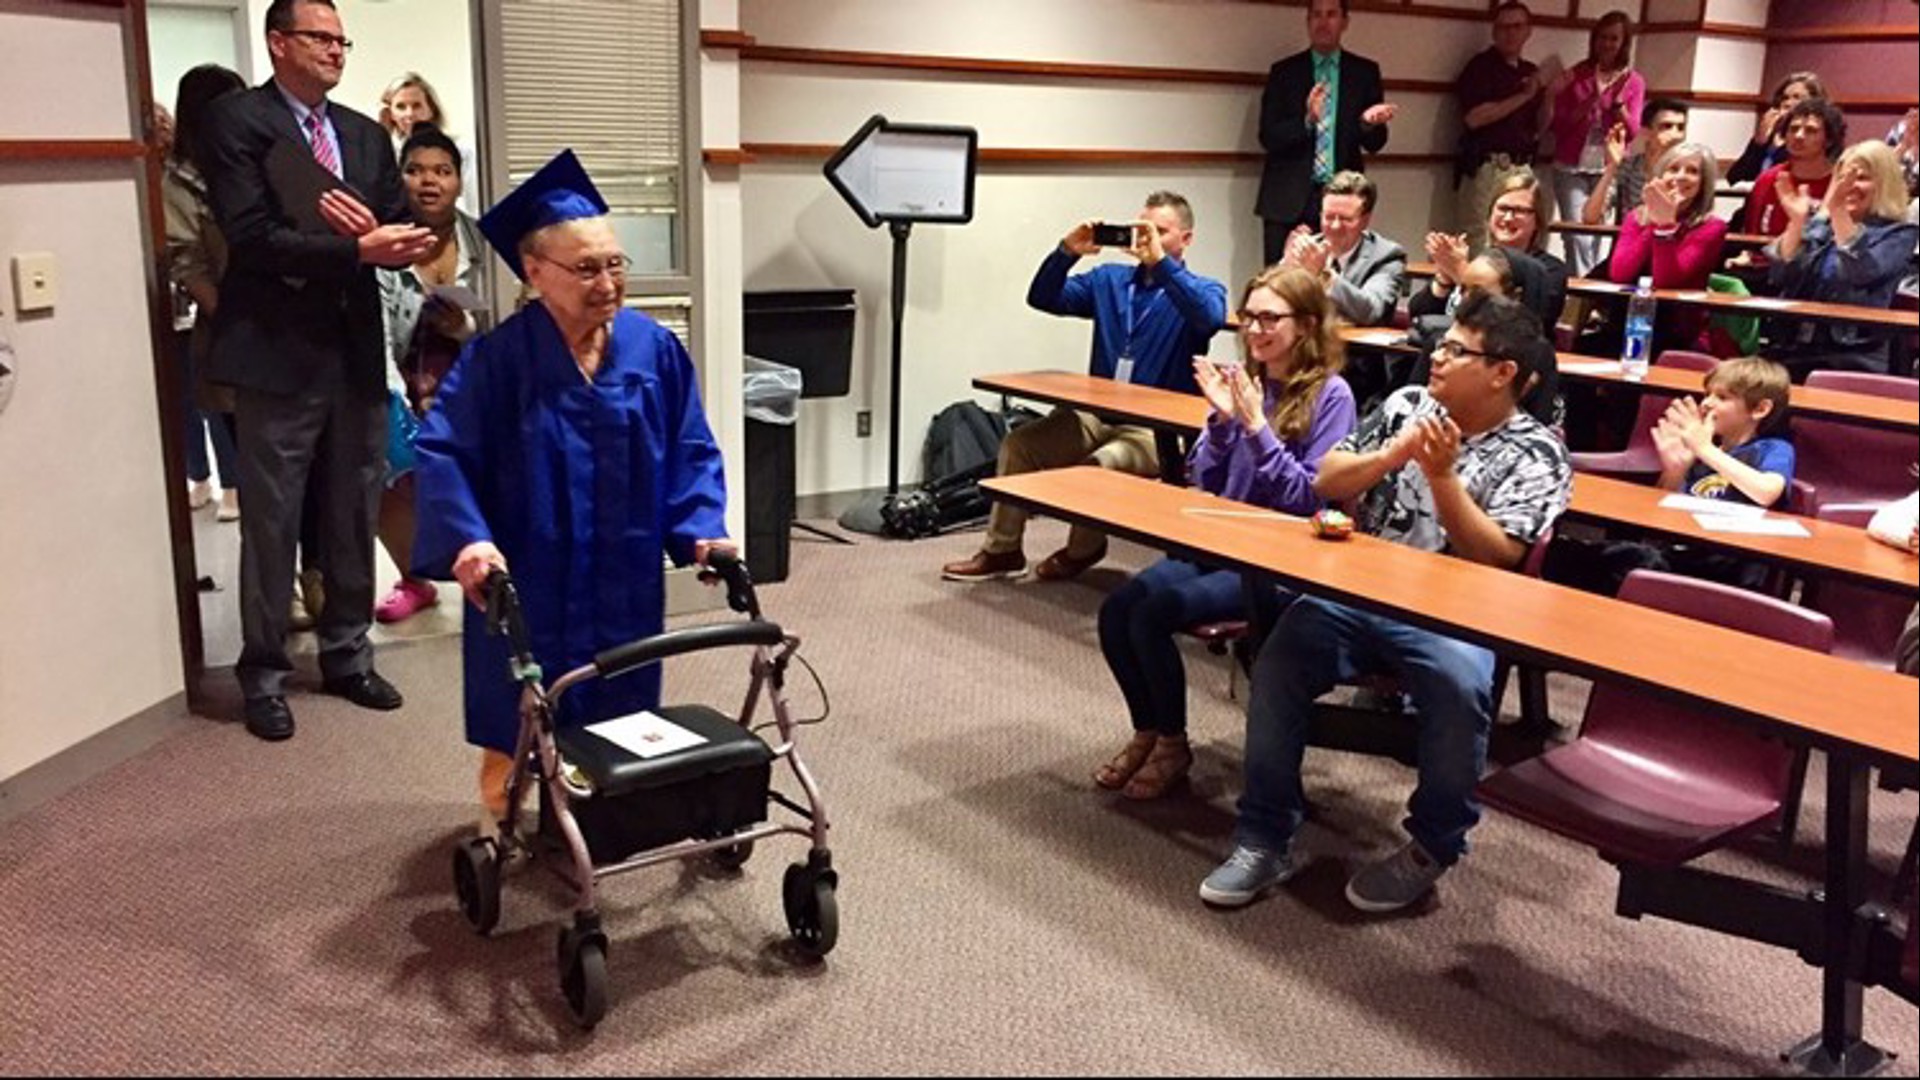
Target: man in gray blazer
[[1364, 271]]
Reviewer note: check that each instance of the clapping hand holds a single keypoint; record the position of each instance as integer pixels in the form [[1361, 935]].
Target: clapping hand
[[1212, 380], [1307, 252], [1793, 197], [1449, 254], [1249, 398], [1379, 115], [1910, 133], [345, 214], [1617, 139], [1686, 420], [1438, 445], [1317, 103], [1769, 122], [1660, 204], [1838, 215]]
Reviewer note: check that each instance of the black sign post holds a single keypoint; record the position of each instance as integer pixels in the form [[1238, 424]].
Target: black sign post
[[898, 175]]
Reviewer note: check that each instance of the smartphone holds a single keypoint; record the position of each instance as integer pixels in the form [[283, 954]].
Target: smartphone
[[1110, 235]]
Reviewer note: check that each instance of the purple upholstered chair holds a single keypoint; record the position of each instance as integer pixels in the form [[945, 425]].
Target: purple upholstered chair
[[1849, 463], [1655, 783], [1640, 461]]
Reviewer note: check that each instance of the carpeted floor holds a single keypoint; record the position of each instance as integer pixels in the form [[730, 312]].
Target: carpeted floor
[[218, 905]]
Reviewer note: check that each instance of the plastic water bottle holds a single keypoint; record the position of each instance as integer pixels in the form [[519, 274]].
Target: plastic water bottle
[[1636, 352]]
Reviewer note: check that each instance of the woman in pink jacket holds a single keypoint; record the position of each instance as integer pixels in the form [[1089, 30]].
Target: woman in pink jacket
[[1674, 239], [1590, 99]]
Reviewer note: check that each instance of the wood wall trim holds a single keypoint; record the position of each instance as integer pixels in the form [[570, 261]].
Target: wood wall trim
[[725, 39], [1846, 33], [1041, 69], [71, 149], [1009, 155], [725, 156], [1759, 101]]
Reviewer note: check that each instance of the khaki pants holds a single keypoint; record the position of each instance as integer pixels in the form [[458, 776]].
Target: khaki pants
[[1062, 438], [1475, 197]]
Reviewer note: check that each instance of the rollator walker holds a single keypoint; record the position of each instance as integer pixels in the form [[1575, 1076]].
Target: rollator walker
[[606, 809]]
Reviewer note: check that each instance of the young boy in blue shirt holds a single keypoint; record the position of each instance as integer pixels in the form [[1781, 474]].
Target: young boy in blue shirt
[[1727, 446]]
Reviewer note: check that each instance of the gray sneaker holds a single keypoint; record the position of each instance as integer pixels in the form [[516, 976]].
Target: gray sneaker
[[1395, 881], [1245, 875]]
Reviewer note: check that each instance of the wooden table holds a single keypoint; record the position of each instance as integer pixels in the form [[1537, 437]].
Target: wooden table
[[1728, 304], [1172, 415], [1859, 716], [1866, 410], [1834, 550]]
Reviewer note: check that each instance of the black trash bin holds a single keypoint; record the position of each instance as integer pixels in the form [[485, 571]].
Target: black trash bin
[[810, 329], [772, 393]]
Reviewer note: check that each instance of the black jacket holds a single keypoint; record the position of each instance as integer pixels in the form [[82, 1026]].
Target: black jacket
[[296, 306], [1286, 135]]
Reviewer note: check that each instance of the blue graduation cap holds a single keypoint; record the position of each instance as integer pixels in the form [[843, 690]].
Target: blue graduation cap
[[559, 191]]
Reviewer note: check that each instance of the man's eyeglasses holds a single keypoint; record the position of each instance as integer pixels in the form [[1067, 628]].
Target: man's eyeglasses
[[322, 39], [589, 271], [1452, 351], [1512, 211], [1265, 321]]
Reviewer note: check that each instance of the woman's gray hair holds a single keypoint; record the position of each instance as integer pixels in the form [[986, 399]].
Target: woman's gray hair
[[1702, 207]]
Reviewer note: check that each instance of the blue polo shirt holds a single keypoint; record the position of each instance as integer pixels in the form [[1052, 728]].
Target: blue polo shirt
[[1162, 317]]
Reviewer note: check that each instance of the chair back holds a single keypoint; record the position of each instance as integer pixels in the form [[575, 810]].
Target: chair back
[[1683, 740], [1654, 405], [1866, 382], [1849, 463], [1866, 622]]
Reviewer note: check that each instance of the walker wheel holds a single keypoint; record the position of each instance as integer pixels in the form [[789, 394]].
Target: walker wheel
[[583, 976], [476, 881], [813, 912], [732, 857]]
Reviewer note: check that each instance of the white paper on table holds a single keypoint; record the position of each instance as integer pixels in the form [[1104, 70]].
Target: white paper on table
[[1379, 337], [1753, 526], [459, 296], [1771, 303], [1691, 294], [646, 735], [1590, 367], [1258, 515], [1712, 507]]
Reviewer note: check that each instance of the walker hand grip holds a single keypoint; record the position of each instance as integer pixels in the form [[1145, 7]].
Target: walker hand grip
[[726, 566], [649, 650]]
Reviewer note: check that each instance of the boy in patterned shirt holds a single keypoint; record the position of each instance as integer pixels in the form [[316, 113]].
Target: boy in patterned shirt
[[1454, 466]]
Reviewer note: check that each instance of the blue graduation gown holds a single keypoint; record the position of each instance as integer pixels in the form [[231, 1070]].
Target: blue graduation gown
[[582, 487]]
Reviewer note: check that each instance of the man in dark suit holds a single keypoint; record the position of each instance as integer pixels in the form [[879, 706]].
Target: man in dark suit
[[298, 334], [1321, 110]]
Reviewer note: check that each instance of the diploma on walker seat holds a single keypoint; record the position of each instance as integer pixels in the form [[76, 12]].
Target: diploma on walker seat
[[646, 735]]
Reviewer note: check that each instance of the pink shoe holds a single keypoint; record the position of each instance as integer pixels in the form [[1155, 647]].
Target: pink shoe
[[405, 600]]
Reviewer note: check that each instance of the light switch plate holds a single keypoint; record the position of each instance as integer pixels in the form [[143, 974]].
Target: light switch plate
[[36, 281]]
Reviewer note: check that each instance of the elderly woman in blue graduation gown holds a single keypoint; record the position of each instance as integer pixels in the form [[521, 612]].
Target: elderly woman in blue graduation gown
[[568, 445]]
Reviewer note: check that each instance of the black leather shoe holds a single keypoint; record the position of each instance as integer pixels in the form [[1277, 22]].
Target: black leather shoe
[[269, 718], [369, 691]]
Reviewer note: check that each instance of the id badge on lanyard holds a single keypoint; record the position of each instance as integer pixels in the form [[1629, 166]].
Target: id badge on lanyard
[[1123, 367]]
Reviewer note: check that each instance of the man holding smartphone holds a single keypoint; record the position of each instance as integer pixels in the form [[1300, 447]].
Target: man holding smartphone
[[1149, 320]]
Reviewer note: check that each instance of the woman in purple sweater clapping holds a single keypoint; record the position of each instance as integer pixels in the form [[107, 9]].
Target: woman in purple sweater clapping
[[1272, 419]]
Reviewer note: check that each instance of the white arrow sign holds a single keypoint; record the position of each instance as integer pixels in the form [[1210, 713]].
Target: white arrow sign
[[907, 172]]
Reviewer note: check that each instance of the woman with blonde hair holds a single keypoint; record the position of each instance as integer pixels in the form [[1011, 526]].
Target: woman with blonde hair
[[409, 100], [1590, 100], [1272, 417], [1850, 248]]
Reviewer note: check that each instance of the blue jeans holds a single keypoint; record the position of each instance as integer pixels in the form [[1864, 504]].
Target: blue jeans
[[1137, 624], [1317, 644]]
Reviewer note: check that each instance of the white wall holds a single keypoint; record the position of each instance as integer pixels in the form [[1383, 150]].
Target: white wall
[[90, 635], [391, 37], [967, 312]]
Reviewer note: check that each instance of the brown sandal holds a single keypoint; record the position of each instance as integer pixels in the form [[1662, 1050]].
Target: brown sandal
[[1164, 768], [1114, 774]]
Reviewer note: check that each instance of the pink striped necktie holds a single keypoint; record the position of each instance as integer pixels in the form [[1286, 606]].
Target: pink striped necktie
[[322, 146]]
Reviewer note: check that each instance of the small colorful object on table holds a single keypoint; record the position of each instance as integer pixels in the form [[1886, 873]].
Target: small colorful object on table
[[1331, 524]]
